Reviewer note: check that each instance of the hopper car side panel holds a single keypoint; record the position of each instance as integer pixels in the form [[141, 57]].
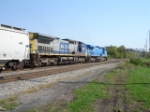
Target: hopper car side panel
[[14, 46]]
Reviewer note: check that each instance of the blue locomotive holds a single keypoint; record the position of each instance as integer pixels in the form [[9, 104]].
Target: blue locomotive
[[96, 53]]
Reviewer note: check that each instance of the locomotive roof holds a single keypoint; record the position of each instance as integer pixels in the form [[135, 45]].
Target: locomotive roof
[[94, 46], [67, 39], [99, 47], [43, 35]]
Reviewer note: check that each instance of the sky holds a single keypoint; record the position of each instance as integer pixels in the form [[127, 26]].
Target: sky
[[95, 22]]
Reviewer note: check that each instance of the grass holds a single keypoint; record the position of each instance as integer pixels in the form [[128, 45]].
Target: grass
[[113, 75], [138, 85], [85, 96], [9, 103], [145, 59]]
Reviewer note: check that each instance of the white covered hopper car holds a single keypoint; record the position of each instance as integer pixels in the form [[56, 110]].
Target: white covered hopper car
[[14, 47]]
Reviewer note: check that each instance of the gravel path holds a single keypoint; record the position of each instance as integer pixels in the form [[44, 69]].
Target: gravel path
[[62, 90]]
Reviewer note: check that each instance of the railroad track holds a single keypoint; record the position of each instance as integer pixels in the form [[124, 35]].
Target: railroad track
[[6, 79], [28, 69], [42, 67]]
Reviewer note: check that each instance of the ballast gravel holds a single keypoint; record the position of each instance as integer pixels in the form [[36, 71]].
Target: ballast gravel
[[17, 87]]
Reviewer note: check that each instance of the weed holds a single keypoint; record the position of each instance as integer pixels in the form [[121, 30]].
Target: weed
[[135, 61], [9, 103], [126, 65], [34, 89], [86, 95], [117, 109]]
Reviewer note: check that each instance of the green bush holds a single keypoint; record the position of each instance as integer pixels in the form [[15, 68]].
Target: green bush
[[126, 65], [136, 61]]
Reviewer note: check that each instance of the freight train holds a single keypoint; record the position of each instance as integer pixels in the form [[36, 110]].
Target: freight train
[[19, 48]]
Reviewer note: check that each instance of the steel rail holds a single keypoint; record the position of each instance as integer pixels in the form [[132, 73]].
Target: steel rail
[[6, 79]]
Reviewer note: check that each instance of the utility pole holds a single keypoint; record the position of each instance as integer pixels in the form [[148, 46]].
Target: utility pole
[[149, 40], [146, 45], [146, 48]]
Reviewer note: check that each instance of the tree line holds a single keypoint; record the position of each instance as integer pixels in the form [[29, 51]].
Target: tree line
[[122, 52]]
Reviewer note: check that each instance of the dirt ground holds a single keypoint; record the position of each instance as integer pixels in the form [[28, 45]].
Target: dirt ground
[[117, 99], [60, 94]]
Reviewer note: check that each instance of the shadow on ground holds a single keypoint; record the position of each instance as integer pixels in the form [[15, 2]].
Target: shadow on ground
[[104, 83]]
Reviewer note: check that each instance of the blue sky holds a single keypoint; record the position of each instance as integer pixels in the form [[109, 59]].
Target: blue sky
[[96, 22]]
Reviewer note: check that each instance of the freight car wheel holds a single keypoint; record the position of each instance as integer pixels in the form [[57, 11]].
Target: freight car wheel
[[20, 65], [14, 67]]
